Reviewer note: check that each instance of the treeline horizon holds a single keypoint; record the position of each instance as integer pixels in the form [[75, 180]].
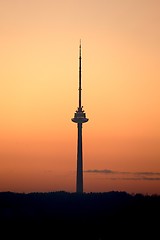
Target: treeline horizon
[[94, 215]]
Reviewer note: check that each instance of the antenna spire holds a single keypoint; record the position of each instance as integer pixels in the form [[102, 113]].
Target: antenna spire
[[80, 75]]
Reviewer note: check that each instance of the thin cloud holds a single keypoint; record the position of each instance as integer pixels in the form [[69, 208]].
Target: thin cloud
[[148, 173], [136, 178], [148, 176], [99, 171]]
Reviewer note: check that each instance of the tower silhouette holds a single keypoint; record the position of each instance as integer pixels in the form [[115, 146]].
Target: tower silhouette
[[79, 118]]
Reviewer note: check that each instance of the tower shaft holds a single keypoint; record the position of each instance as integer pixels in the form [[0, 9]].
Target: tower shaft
[[79, 184]]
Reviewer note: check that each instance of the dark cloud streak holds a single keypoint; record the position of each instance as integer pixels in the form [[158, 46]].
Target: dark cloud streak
[[136, 178], [135, 175]]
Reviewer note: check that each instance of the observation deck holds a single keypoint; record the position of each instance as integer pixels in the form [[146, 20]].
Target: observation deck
[[80, 116]]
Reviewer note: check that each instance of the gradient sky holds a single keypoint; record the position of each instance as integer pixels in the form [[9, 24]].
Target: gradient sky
[[39, 44]]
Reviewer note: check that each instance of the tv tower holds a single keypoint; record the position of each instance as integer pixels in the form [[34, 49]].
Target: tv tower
[[79, 118]]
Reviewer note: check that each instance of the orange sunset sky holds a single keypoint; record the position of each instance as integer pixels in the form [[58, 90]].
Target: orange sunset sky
[[39, 47]]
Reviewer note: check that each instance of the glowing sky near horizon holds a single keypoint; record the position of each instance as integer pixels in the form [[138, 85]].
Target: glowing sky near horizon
[[39, 47]]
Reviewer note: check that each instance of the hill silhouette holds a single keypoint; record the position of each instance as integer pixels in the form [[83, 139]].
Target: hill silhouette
[[63, 215]]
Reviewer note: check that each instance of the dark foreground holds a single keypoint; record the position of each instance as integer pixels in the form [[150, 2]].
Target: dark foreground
[[62, 215]]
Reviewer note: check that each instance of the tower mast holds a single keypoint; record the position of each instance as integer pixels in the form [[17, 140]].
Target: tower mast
[[79, 118], [80, 88]]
